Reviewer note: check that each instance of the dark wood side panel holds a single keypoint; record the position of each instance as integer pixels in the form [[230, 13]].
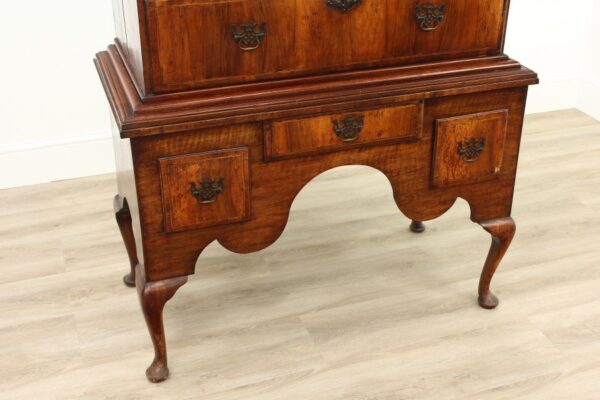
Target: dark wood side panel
[[131, 30], [126, 184]]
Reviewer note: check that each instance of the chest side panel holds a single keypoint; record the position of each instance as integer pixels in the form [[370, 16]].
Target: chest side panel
[[130, 23]]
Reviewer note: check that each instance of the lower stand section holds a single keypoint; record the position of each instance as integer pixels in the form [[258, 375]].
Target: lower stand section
[[153, 297], [502, 231]]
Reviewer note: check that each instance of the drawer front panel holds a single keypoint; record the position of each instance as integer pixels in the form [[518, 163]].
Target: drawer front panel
[[205, 189], [201, 43], [344, 130], [469, 149]]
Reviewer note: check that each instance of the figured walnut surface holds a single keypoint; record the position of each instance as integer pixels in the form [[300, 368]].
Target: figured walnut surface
[[226, 169], [191, 41], [275, 184], [175, 45], [290, 98], [348, 304], [315, 134], [469, 148]]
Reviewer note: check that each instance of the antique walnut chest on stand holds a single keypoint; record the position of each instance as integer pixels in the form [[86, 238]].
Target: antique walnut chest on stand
[[224, 109]]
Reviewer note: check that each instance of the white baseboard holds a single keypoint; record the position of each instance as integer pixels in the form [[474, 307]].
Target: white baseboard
[[42, 162], [589, 101]]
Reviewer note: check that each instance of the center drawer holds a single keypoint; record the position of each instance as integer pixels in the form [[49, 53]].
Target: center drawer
[[331, 132], [202, 43]]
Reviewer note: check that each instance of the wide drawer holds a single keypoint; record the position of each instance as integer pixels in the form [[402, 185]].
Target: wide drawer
[[205, 189], [331, 132], [202, 43]]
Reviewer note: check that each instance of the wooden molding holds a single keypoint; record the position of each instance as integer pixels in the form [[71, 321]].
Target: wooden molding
[[255, 102]]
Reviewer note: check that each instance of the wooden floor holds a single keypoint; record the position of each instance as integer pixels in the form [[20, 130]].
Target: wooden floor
[[347, 305]]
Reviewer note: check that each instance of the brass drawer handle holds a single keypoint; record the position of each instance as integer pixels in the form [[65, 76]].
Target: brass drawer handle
[[349, 128], [471, 149], [208, 191], [249, 35], [343, 5], [429, 15]]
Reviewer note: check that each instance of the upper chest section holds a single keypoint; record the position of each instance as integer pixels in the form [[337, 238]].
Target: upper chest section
[[190, 44]]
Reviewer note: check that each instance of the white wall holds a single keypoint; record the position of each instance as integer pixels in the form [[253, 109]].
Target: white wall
[[55, 119], [561, 44], [592, 67]]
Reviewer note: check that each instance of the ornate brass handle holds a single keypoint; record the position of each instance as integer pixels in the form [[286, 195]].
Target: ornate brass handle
[[249, 35], [343, 5], [349, 128], [471, 149], [429, 15], [208, 191]]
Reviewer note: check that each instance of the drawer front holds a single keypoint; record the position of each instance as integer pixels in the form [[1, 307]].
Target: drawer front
[[202, 43], [344, 130], [469, 148], [205, 189]]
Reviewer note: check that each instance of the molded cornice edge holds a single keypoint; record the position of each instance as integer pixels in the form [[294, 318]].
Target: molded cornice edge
[[255, 102]]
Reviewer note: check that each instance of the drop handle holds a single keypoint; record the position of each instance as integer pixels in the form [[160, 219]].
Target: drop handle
[[249, 35], [343, 5], [429, 15], [471, 149], [207, 191], [348, 129]]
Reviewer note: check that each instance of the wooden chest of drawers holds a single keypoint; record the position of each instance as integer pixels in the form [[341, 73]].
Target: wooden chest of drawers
[[189, 44], [225, 109]]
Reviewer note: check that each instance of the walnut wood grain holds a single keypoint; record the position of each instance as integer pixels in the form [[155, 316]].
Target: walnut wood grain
[[183, 211], [153, 297], [183, 45], [124, 221], [275, 184], [502, 231], [138, 116], [485, 131], [293, 137]]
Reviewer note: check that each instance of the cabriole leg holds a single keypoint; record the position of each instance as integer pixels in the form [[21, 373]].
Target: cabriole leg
[[153, 297], [502, 231], [123, 216]]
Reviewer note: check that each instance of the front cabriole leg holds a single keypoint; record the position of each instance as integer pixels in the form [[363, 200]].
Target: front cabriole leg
[[153, 297], [502, 231]]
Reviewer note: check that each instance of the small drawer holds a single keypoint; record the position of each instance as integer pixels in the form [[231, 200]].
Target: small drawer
[[205, 189], [324, 133], [469, 148]]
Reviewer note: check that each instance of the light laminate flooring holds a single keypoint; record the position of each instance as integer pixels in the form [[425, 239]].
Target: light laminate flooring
[[348, 304]]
